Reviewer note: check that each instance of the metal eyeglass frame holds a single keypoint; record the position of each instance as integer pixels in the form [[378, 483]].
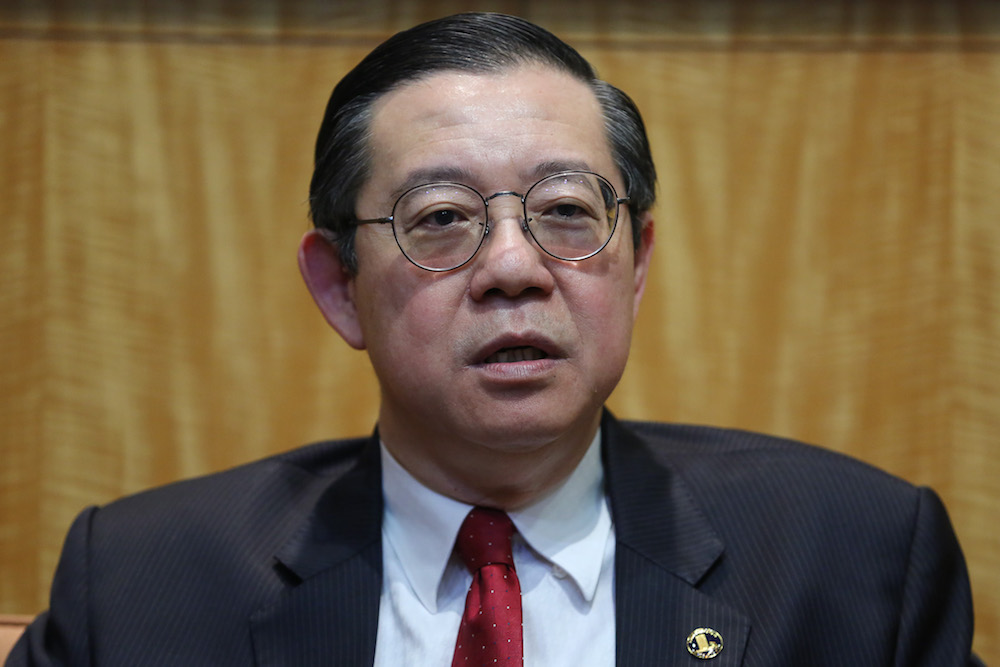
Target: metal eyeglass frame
[[486, 230]]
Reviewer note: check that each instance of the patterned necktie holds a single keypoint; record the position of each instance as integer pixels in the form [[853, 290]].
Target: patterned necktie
[[490, 633]]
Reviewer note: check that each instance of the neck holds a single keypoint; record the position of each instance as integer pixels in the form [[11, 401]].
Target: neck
[[506, 475]]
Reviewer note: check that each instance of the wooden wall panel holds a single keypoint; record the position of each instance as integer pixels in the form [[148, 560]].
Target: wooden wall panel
[[828, 260], [22, 326]]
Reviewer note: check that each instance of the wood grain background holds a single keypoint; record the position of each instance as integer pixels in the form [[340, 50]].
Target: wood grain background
[[827, 268]]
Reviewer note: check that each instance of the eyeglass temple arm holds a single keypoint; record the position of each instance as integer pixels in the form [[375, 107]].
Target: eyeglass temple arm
[[331, 236], [371, 221]]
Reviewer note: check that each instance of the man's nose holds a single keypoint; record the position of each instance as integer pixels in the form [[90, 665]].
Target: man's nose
[[509, 263]]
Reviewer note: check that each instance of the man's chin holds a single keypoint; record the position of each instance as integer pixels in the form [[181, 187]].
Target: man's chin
[[527, 434]]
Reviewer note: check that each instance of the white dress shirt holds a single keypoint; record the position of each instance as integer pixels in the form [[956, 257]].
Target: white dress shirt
[[564, 553]]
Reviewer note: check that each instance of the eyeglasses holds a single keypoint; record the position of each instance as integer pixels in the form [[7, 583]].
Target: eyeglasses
[[572, 215]]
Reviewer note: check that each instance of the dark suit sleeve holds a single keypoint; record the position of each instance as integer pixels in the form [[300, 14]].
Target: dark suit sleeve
[[936, 610], [59, 636]]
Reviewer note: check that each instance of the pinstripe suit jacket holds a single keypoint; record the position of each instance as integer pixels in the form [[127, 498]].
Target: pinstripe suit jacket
[[795, 555]]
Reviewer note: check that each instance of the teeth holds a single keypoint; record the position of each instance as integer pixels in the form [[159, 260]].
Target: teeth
[[513, 354]]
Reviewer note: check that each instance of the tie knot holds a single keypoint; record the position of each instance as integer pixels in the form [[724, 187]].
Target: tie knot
[[484, 538]]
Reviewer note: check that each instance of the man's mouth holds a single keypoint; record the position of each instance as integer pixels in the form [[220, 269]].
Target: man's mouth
[[510, 355]]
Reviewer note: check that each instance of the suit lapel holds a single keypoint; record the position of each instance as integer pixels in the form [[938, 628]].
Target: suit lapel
[[665, 549], [327, 612]]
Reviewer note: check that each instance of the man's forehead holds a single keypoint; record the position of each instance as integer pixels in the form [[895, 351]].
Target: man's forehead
[[452, 97], [524, 77], [538, 117]]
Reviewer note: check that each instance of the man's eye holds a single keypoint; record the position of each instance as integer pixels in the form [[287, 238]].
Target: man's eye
[[445, 217], [567, 210]]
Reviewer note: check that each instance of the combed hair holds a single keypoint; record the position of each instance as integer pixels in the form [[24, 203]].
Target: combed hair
[[472, 42]]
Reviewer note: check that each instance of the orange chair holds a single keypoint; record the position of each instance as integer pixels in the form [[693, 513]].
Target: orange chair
[[11, 627]]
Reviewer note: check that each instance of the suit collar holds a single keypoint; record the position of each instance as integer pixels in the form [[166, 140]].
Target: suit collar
[[346, 518], [654, 511], [327, 612]]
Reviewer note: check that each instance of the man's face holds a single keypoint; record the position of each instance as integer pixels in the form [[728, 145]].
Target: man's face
[[437, 341]]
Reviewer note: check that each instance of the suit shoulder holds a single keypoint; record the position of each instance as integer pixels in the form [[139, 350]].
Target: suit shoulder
[[256, 490], [208, 544], [700, 453], [174, 541]]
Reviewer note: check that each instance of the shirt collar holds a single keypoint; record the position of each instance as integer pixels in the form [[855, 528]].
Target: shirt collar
[[569, 527]]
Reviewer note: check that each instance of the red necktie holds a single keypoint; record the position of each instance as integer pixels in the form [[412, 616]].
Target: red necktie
[[490, 633]]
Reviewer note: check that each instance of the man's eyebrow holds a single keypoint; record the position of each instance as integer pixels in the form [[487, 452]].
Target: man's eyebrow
[[454, 174], [543, 169], [438, 174]]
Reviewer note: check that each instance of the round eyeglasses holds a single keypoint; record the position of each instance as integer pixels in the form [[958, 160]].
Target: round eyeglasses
[[572, 215]]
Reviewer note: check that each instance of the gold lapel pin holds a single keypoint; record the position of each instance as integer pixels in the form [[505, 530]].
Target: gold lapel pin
[[704, 643]]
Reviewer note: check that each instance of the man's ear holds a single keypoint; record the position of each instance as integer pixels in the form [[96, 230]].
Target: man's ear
[[642, 259], [331, 286]]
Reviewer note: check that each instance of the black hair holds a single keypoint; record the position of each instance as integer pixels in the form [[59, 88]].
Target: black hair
[[471, 42]]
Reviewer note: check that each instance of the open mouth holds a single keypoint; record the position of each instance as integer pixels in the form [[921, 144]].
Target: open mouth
[[513, 354]]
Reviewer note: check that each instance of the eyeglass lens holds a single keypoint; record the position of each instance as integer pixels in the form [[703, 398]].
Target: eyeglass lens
[[570, 215]]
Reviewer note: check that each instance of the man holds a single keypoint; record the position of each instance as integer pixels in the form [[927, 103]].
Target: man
[[483, 231]]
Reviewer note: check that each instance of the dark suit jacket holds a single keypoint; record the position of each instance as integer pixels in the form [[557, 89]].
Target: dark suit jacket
[[795, 555]]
